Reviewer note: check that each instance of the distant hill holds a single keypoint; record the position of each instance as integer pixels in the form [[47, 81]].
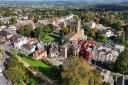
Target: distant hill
[[124, 3], [86, 1], [110, 7], [109, 4]]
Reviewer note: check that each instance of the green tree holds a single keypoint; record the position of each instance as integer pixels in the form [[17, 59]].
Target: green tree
[[125, 43], [1, 39], [16, 72], [87, 16], [78, 72], [25, 30], [102, 38], [38, 32], [88, 31], [13, 52], [43, 32], [126, 31], [1, 51], [1, 48], [64, 31], [16, 75], [121, 64], [48, 28], [104, 83], [1, 23], [13, 21], [105, 21], [117, 25]]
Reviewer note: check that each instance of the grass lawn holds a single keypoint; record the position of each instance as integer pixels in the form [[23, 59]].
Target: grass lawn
[[50, 37], [38, 64]]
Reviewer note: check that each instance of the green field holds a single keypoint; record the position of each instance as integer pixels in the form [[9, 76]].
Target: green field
[[38, 64]]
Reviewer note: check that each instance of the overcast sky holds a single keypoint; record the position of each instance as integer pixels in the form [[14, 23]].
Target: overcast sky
[[71, 0]]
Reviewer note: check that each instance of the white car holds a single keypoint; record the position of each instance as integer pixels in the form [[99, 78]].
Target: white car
[[1, 72]]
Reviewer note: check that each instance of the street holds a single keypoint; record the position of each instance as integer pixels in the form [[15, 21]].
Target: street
[[3, 80]]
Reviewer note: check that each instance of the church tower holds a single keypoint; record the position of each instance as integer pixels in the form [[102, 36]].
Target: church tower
[[78, 26]]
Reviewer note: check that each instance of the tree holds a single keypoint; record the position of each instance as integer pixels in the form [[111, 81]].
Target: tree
[[1, 38], [125, 43], [48, 28], [16, 72], [64, 31], [16, 75], [30, 16], [1, 48], [87, 16], [78, 72], [1, 51], [1, 23], [25, 30], [41, 31], [94, 31], [13, 21], [106, 83], [105, 21], [88, 31], [121, 64], [117, 25], [126, 31], [38, 32], [102, 38], [13, 52]]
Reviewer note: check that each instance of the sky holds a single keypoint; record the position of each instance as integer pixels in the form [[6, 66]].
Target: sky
[[63, 0], [72, 0]]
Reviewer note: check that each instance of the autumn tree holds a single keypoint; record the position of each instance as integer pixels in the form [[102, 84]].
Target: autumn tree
[[94, 31], [78, 72]]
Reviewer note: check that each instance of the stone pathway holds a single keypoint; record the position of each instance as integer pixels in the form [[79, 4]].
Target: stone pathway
[[55, 61]]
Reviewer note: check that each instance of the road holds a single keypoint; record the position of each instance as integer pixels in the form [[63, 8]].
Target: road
[[3, 80]]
